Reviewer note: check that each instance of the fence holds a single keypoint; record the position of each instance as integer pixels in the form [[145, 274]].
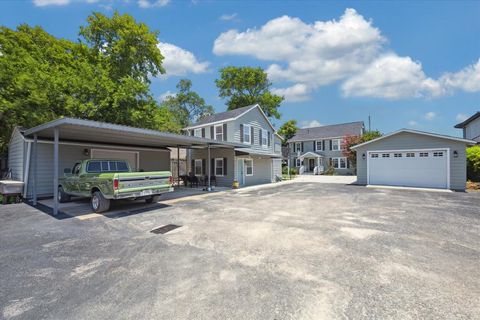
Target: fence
[[174, 169]]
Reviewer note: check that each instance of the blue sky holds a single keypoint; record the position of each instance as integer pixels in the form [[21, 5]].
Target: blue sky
[[406, 64]]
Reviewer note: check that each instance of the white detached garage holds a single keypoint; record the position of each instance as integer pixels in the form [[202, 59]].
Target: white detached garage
[[413, 159]]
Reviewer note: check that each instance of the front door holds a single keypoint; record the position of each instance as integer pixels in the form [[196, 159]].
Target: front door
[[311, 164], [240, 172]]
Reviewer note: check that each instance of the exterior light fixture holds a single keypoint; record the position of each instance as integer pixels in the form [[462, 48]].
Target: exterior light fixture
[[363, 156], [86, 152], [455, 154]]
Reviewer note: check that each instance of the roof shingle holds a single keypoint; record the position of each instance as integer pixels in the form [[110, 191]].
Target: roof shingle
[[222, 116], [330, 131]]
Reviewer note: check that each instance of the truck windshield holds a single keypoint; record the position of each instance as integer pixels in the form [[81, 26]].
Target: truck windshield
[[107, 166]]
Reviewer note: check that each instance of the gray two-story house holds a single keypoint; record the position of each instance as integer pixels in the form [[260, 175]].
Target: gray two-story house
[[258, 162], [314, 150], [471, 127]]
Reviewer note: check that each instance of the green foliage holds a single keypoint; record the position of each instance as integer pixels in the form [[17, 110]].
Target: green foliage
[[244, 86], [104, 77], [350, 141], [288, 130], [293, 170], [187, 106], [473, 163]]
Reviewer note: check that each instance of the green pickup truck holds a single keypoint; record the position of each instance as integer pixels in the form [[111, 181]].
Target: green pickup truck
[[104, 180]]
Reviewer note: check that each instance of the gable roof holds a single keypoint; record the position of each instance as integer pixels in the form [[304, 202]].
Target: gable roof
[[461, 125], [435, 135], [228, 116], [330, 131]]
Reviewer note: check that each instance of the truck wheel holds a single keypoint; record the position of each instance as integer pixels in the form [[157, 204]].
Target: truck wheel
[[99, 203], [153, 199], [62, 196]]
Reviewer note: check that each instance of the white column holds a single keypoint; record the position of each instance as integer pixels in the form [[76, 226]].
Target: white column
[[34, 176], [55, 172]]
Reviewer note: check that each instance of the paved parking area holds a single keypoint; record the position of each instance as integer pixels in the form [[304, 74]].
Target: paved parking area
[[301, 250]]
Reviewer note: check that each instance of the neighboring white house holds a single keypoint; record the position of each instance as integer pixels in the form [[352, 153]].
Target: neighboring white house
[[258, 162], [413, 159], [471, 127]]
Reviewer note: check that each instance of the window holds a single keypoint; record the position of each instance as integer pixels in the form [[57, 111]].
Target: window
[[249, 167], [107, 166], [298, 146], [298, 162], [410, 155], [94, 166], [197, 132], [336, 144], [374, 155], [277, 147], [247, 134], [219, 167], [198, 167], [264, 137], [219, 132], [423, 154], [385, 155], [438, 154], [121, 166], [339, 163], [318, 146], [397, 155]]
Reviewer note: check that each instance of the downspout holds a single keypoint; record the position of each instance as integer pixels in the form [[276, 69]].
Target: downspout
[[27, 170]]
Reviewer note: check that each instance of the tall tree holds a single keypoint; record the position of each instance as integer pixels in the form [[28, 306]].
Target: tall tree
[[288, 130], [243, 86], [186, 105]]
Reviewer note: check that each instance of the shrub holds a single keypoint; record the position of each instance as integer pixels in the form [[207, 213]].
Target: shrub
[[473, 163]]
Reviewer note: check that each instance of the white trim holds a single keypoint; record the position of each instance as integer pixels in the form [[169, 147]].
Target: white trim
[[246, 170], [215, 131], [250, 142], [316, 145], [195, 167], [265, 136], [208, 124], [315, 139], [416, 132], [137, 155], [339, 144], [339, 167], [410, 150], [195, 132], [215, 167]]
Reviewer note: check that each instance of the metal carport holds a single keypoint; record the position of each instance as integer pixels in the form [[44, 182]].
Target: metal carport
[[86, 131]]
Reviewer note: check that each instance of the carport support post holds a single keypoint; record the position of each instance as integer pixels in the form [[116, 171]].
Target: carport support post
[[209, 188], [34, 175], [55, 171], [178, 166]]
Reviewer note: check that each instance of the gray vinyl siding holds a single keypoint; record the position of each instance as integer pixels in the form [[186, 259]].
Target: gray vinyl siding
[[226, 180], [408, 141], [277, 168], [16, 155], [70, 154], [262, 171], [472, 130]]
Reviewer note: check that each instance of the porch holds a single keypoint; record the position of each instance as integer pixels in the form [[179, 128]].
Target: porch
[[311, 163]]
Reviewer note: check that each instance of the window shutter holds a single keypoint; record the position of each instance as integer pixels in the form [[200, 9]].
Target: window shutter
[[314, 146], [203, 132], [241, 132], [302, 146], [251, 135], [323, 145], [204, 162], [224, 166], [212, 167], [260, 136], [348, 163], [192, 132], [192, 169], [224, 132], [330, 144], [212, 133], [269, 134]]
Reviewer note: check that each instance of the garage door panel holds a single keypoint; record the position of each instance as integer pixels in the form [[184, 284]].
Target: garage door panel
[[429, 172]]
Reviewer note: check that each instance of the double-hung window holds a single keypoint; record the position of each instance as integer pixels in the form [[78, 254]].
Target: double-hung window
[[249, 167], [339, 163], [197, 132], [298, 146], [318, 146], [219, 132], [247, 136], [219, 167], [264, 137], [336, 144], [198, 167]]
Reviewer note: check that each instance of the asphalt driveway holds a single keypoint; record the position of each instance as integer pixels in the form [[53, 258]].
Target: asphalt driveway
[[295, 251]]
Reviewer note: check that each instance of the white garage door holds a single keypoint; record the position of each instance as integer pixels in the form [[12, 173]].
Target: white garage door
[[130, 156], [416, 168]]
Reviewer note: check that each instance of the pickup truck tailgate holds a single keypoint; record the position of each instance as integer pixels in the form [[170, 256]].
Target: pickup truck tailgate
[[139, 181]]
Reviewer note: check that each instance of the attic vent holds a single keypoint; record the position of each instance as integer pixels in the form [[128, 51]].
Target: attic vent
[[164, 229]]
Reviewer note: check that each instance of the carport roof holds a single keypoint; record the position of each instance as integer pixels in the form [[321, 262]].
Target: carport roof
[[78, 130], [441, 136]]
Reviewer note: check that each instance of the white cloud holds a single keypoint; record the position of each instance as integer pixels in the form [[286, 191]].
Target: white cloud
[[152, 3], [430, 115], [43, 3], [412, 123], [310, 124], [295, 93], [165, 95], [467, 79], [461, 117], [349, 50], [228, 17], [179, 61]]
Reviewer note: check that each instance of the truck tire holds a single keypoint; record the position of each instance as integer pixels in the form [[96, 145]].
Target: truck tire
[[153, 199], [62, 196], [99, 203]]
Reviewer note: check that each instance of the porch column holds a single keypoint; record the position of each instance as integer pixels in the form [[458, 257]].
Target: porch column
[[318, 165], [209, 169], [55, 171], [34, 175]]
